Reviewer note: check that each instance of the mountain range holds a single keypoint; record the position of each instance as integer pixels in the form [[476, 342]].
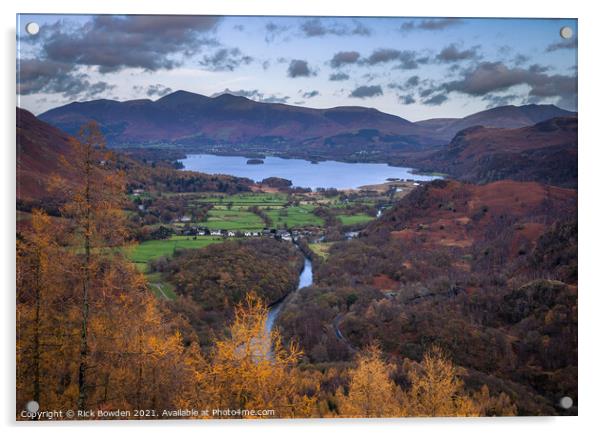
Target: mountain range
[[187, 118]]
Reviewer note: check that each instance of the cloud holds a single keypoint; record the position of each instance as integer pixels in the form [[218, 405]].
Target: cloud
[[38, 76], [344, 58], [158, 90], [275, 99], [406, 99], [299, 68], [112, 42], [567, 44], [254, 94], [315, 27], [500, 100], [311, 94], [431, 24], [435, 100], [410, 83], [452, 53], [225, 59], [366, 91], [273, 30], [408, 59], [337, 77], [489, 77]]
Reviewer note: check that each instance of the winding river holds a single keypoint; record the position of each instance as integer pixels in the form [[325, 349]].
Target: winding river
[[306, 278]]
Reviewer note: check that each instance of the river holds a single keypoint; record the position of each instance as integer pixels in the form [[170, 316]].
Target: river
[[306, 278]]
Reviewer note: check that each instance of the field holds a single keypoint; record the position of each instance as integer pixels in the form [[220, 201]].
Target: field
[[245, 200], [295, 217], [236, 220], [152, 249]]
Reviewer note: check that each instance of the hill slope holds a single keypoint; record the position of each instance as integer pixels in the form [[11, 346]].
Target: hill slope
[[498, 117], [545, 152], [39, 148]]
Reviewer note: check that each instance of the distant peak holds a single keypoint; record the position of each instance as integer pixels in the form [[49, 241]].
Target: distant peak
[[182, 96]]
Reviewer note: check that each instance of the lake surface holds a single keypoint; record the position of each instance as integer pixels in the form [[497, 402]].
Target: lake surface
[[302, 173]]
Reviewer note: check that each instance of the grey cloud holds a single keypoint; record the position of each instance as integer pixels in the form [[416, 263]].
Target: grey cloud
[[157, 90], [490, 77], [500, 100], [311, 94], [408, 59], [435, 100], [275, 99], [315, 27], [452, 53], [407, 99], [567, 44], [138, 41], [337, 77], [225, 59], [273, 30], [38, 76], [431, 24], [299, 68], [254, 94], [366, 91], [344, 58]]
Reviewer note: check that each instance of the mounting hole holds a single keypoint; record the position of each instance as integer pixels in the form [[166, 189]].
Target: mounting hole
[[32, 406], [32, 28], [566, 402], [566, 32]]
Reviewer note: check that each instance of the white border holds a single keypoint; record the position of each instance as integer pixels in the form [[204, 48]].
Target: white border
[[590, 145]]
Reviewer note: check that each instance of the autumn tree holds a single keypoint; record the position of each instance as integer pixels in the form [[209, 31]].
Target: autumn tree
[[36, 292], [436, 390], [371, 391], [252, 369]]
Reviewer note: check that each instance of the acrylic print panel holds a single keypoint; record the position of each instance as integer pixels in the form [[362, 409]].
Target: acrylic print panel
[[291, 217]]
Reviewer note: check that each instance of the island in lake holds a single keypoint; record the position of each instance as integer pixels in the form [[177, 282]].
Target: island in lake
[[254, 162]]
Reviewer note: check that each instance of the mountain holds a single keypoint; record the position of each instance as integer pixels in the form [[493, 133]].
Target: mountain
[[351, 132], [545, 152], [188, 118], [39, 150], [498, 117]]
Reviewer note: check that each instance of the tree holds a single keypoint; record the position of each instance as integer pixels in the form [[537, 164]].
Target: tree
[[252, 370], [35, 291], [371, 393], [96, 222], [436, 389]]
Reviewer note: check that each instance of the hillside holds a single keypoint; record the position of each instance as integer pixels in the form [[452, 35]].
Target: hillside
[[545, 152], [39, 150], [489, 272], [498, 117], [42, 147]]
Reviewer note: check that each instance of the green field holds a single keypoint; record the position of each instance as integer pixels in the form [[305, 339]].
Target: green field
[[354, 219], [295, 217], [245, 200], [236, 220], [152, 249]]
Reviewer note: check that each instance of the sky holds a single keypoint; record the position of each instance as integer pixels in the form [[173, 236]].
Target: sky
[[416, 68]]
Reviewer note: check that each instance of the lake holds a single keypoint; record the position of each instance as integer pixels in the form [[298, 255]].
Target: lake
[[302, 173]]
